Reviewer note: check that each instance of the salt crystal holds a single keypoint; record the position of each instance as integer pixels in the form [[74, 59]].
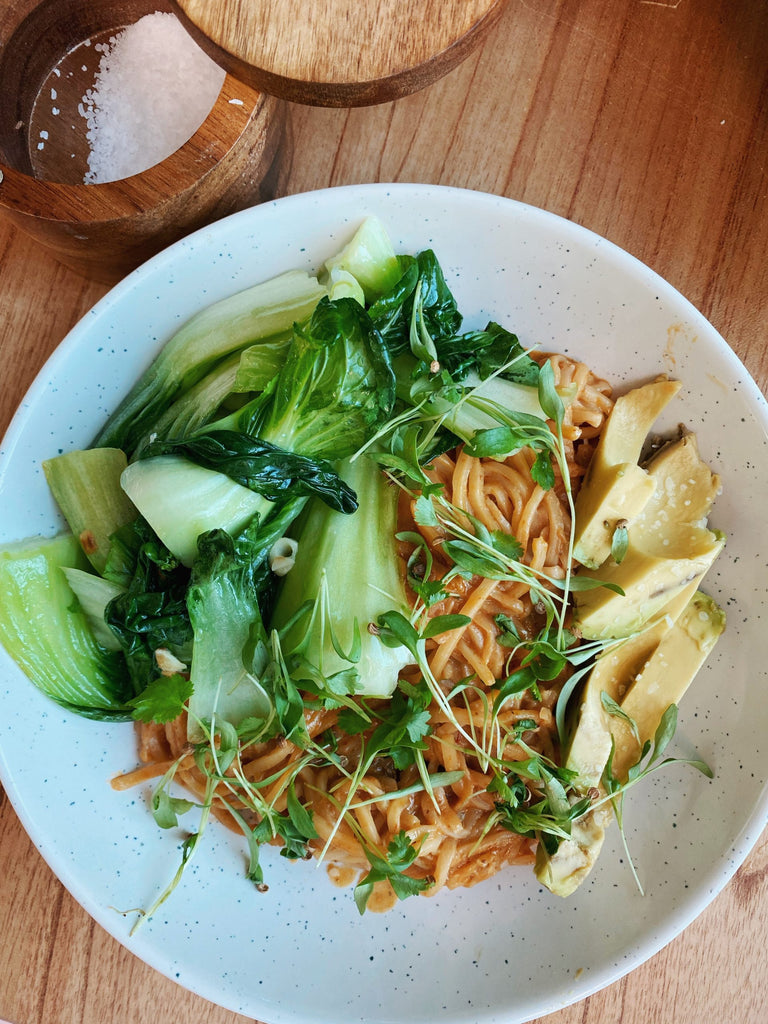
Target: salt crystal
[[153, 90]]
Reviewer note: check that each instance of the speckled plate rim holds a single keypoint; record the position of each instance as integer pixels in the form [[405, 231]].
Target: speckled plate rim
[[551, 266]]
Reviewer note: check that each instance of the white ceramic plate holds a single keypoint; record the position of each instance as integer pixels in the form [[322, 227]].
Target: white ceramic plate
[[506, 950]]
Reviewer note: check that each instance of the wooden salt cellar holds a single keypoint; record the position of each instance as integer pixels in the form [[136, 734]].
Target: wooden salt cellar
[[105, 230]]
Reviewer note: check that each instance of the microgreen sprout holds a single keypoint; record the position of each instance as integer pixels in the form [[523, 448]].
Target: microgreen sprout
[[620, 541], [651, 760]]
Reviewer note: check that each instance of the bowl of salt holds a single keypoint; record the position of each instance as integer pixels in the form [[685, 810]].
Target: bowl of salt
[[119, 134]]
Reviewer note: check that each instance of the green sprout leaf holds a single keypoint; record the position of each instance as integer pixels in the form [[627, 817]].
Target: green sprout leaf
[[619, 541], [166, 808], [651, 759], [550, 401], [443, 624], [613, 708]]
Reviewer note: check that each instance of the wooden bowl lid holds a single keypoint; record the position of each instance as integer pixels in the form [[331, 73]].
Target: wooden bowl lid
[[339, 53]]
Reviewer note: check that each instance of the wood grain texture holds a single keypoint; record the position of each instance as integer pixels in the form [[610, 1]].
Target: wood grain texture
[[644, 121], [340, 52]]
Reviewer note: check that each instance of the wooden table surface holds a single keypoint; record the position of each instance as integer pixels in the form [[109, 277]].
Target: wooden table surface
[[644, 120]]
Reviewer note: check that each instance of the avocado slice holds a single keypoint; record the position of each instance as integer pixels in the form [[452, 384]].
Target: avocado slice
[[563, 871], [644, 675], [615, 487], [613, 673], [669, 547], [665, 677], [590, 741], [685, 486], [657, 567], [669, 625]]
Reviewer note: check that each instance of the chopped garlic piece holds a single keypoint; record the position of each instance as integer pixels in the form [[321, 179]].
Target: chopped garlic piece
[[168, 663], [282, 555]]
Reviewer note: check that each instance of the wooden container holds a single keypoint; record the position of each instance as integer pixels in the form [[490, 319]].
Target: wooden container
[[104, 230], [324, 52], [339, 53]]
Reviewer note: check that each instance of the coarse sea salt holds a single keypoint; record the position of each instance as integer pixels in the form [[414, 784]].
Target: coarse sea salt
[[153, 89]]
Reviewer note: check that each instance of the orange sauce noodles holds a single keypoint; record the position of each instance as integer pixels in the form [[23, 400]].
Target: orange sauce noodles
[[459, 841]]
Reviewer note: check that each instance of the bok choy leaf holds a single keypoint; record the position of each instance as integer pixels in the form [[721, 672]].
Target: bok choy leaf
[[230, 650], [94, 594], [347, 573], [263, 467], [47, 633], [181, 500], [418, 316], [336, 387], [368, 258], [227, 326], [150, 612], [86, 487]]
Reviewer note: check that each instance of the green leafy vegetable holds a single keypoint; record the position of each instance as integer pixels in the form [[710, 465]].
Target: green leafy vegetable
[[45, 630], [343, 563], [401, 853], [333, 390], [336, 387], [86, 487], [262, 467], [150, 612], [651, 760], [227, 326], [368, 258], [619, 541], [230, 650], [94, 594], [202, 401], [163, 699], [182, 500]]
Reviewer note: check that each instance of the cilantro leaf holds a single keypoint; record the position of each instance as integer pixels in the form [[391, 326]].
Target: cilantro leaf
[[508, 635], [351, 722], [401, 853], [506, 544], [162, 700], [542, 472], [404, 723], [430, 592]]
